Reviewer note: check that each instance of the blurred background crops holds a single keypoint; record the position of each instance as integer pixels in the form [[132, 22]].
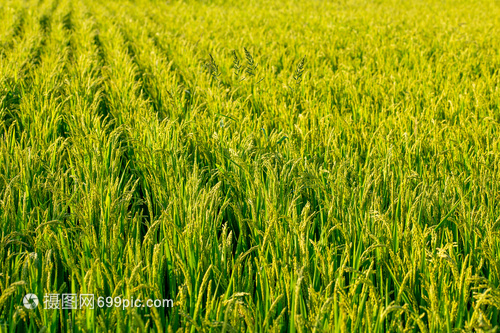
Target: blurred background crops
[[183, 150]]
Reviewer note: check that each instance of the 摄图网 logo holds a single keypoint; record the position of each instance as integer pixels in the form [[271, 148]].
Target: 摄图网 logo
[[30, 301]]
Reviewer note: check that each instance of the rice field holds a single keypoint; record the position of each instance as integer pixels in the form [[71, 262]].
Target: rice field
[[264, 166]]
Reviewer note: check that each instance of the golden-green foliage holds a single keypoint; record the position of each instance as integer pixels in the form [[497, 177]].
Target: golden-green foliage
[[286, 166]]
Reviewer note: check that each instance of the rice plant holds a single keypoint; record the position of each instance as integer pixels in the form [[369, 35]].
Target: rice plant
[[236, 64], [251, 65]]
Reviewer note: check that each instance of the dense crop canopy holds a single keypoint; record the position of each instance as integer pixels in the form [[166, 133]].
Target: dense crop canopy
[[287, 166]]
